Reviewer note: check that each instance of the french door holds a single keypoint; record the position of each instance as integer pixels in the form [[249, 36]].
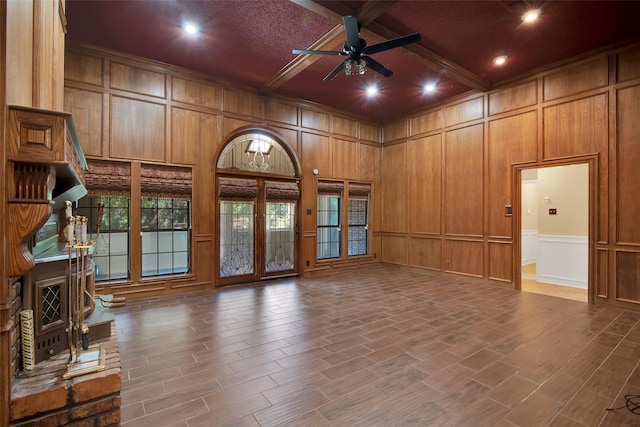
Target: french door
[[257, 230]]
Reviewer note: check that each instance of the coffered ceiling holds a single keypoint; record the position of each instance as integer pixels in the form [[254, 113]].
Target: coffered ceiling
[[249, 42]]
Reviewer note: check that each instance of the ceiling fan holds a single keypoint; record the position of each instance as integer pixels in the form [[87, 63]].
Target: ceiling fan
[[357, 51]]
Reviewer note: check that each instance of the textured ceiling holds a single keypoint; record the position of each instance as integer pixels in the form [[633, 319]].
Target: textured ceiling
[[249, 42]]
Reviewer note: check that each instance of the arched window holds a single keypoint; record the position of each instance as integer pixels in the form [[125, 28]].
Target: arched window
[[256, 152]]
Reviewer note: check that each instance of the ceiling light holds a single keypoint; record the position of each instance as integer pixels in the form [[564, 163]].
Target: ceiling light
[[191, 29], [372, 90], [530, 15], [499, 60], [355, 66], [429, 87]]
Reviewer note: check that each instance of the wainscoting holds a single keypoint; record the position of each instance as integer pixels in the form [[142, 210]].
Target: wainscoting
[[529, 246], [563, 260]]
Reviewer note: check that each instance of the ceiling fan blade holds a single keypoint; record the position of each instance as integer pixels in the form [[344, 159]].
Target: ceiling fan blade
[[351, 30], [315, 52], [390, 44], [335, 71], [377, 67]]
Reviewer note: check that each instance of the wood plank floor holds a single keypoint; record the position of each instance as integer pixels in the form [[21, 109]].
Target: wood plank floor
[[376, 346]]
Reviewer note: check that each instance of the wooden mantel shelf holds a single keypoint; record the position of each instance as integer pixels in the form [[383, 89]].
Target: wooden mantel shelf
[[44, 155]]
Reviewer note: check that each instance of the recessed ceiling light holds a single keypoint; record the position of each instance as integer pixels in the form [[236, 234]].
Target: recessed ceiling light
[[372, 90], [191, 29], [499, 60], [531, 15], [429, 87]]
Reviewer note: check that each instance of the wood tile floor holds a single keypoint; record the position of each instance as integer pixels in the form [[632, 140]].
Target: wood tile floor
[[376, 346]]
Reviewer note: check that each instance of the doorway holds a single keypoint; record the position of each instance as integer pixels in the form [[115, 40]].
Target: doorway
[[257, 209], [555, 231]]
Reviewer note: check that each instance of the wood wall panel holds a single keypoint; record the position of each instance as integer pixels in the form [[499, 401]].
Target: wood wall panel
[[369, 132], [395, 131], [137, 130], [281, 112], [463, 181], [394, 249], [464, 257], [629, 64], [344, 126], [86, 108], [511, 140], [513, 98], [202, 247], [245, 103], [192, 134], [427, 122], [569, 81], [231, 124], [344, 155], [425, 176], [19, 52], [316, 153], [369, 162], [395, 188], [425, 253], [195, 93], [602, 273], [628, 276], [501, 261], [138, 80], [464, 111], [83, 68], [289, 136], [315, 120], [628, 176], [43, 51]]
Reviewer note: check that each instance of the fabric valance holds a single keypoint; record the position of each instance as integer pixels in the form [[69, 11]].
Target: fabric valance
[[332, 187], [237, 189], [105, 178], [282, 191], [357, 189], [165, 181]]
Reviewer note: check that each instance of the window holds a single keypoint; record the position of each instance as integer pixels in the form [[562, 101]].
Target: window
[[328, 226], [166, 229], [357, 227], [111, 251]]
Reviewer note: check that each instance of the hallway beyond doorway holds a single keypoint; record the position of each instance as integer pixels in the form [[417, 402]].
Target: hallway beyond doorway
[[529, 284]]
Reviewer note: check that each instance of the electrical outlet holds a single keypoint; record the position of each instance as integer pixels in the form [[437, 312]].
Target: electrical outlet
[[553, 211], [448, 263], [308, 263]]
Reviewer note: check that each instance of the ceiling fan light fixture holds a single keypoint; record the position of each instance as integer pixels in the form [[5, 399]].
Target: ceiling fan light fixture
[[530, 15], [348, 67], [500, 60]]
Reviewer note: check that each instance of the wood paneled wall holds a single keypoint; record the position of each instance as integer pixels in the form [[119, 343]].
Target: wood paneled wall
[[456, 168], [134, 110]]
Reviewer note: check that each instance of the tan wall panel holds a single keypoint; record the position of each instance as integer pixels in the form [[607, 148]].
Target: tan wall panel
[[58, 53], [464, 257], [138, 80], [82, 68], [369, 132], [602, 273], [501, 261], [247, 104], [464, 111], [628, 276], [281, 112], [344, 126], [394, 188], [511, 140], [344, 156], [523, 95], [46, 16], [463, 185], [137, 130], [394, 249], [86, 108], [19, 62], [425, 176], [628, 176], [569, 81], [315, 120], [425, 253], [192, 135], [395, 130], [426, 122], [194, 93], [629, 64]]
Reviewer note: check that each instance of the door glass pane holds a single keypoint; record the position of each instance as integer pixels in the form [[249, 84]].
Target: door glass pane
[[236, 238], [280, 237]]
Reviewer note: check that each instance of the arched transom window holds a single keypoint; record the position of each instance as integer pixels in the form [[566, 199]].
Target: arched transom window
[[256, 152]]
